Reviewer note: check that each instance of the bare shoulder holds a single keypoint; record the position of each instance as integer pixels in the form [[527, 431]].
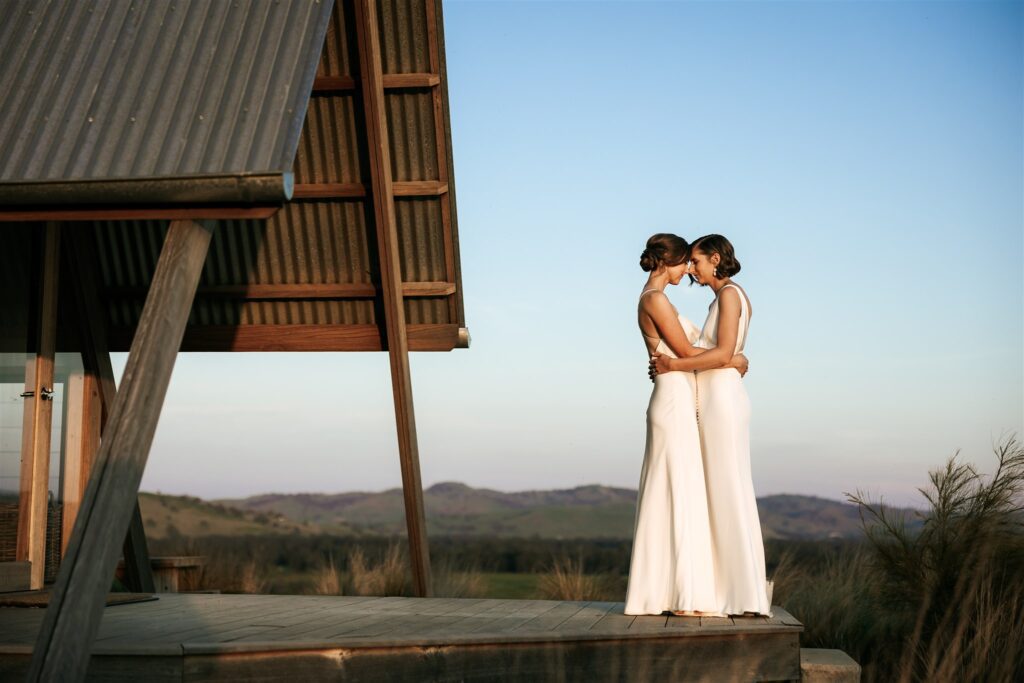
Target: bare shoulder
[[737, 293], [654, 300]]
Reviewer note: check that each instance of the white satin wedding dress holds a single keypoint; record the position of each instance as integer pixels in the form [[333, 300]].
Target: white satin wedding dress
[[723, 419], [671, 564]]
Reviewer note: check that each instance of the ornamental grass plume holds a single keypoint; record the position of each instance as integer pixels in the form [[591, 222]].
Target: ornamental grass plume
[[952, 585], [390, 576], [328, 579]]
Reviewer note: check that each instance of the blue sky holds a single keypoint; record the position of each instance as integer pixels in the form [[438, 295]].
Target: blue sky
[[867, 162]]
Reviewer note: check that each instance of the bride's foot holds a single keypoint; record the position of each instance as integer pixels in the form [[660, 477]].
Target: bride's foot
[[687, 613]]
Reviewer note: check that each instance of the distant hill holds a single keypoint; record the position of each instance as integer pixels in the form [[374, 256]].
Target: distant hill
[[591, 511], [169, 516]]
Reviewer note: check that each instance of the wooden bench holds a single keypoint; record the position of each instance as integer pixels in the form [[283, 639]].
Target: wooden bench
[[168, 571]]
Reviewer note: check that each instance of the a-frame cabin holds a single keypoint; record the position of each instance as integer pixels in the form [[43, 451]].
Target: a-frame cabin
[[208, 176]]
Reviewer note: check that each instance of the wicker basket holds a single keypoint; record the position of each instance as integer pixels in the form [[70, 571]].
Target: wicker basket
[[9, 535]]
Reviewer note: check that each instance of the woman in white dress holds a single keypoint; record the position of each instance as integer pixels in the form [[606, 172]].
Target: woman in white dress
[[723, 417], [671, 565]]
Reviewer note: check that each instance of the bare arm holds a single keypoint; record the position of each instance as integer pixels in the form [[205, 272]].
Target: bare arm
[[728, 330], [664, 317]]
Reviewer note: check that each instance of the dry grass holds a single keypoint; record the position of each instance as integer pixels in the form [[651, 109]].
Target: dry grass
[[251, 578], [389, 576], [451, 582], [566, 580], [942, 603], [839, 605], [328, 579], [982, 638]]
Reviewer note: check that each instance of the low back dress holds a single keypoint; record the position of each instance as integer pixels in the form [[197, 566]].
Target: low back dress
[[671, 563]]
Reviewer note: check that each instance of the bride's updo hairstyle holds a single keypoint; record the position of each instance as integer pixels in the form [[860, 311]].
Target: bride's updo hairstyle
[[729, 265], [664, 249]]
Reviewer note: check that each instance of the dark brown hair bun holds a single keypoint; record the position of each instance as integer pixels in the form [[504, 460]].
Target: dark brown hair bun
[[729, 265], [666, 249]]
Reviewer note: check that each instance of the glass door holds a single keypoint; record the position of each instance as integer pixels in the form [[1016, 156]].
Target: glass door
[[30, 397]]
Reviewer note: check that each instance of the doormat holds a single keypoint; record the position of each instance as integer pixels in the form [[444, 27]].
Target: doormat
[[42, 598]]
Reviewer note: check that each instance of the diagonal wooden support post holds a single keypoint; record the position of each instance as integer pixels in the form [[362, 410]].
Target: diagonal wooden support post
[[372, 84], [81, 263], [72, 619]]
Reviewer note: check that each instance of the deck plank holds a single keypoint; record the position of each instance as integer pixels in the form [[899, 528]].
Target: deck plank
[[587, 617], [220, 637], [649, 622], [200, 620], [781, 616], [405, 623], [617, 621], [683, 623], [464, 618], [338, 621], [317, 615], [550, 620], [716, 623], [514, 617]]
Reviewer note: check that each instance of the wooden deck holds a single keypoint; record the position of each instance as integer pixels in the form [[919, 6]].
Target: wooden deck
[[193, 637]]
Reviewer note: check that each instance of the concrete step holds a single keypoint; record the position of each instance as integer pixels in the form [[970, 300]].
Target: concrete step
[[818, 665]]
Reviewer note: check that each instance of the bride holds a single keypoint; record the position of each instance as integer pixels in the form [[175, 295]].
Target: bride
[[723, 418], [671, 567]]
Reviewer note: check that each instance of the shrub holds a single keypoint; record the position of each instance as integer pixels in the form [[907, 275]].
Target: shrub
[[951, 592]]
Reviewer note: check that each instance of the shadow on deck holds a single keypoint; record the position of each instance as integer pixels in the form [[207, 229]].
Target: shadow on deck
[[193, 637]]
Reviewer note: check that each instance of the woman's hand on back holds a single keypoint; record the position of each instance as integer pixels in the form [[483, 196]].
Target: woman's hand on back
[[741, 363], [659, 365]]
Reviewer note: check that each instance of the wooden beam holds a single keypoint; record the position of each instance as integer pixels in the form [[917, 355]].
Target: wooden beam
[[395, 81], [302, 338], [82, 260], [333, 83], [408, 188], [328, 190], [420, 188], [372, 80], [35, 464], [326, 290], [85, 414], [141, 213], [73, 477], [69, 627], [428, 288], [391, 82]]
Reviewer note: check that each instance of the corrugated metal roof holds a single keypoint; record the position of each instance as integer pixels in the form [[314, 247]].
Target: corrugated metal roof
[[160, 90], [318, 256]]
